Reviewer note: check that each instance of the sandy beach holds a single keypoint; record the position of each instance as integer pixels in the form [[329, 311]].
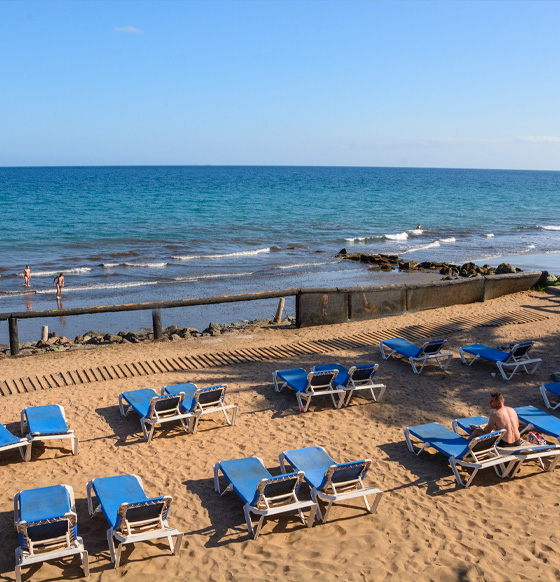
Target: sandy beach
[[425, 528]]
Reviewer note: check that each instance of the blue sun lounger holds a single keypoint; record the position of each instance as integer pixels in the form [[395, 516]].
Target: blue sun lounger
[[356, 378], [132, 516], [152, 408], [309, 384], [517, 357], [201, 401], [9, 441], [430, 350], [44, 423], [477, 454], [549, 454], [552, 388], [329, 480], [539, 420], [45, 520], [260, 492]]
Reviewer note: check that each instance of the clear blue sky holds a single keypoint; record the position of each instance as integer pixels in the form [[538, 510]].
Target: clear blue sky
[[281, 82]]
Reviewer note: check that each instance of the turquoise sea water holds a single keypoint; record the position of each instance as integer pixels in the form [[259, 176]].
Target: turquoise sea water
[[136, 234]]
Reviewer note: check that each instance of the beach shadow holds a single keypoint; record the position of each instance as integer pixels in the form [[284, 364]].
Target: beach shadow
[[127, 430], [225, 512]]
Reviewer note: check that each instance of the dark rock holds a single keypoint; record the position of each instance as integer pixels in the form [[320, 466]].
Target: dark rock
[[342, 252], [504, 268], [408, 266], [114, 339], [172, 329], [92, 334]]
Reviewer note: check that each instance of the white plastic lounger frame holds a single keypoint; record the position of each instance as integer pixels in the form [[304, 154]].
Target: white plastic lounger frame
[[481, 455], [49, 437], [267, 505], [61, 546], [518, 358], [334, 491], [545, 391], [318, 384], [208, 401], [24, 447], [133, 530], [431, 350], [162, 409], [358, 380]]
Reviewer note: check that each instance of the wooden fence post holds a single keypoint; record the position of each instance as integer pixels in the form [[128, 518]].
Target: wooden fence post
[[278, 316], [156, 320], [14, 339]]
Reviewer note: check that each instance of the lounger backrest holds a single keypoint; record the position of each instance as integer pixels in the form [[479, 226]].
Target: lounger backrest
[[48, 534], [319, 380], [345, 476], [432, 347], [165, 405], [210, 397], [362, 374], [520, 351], [278, 490], [485, 444], [144, 516]]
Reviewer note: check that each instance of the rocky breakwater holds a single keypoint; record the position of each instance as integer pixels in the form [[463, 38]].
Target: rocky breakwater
[[173, 333], [389, 262]]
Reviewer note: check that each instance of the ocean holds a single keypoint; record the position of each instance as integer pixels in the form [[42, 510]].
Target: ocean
[[143, 234]]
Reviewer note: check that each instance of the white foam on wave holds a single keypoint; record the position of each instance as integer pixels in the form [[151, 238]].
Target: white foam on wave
[[98, 287], [222, 256], [550, 227], [489, 235], [451, 239], [431, 245], [212, 276], [531, 247], [416, 231], [297, 265], [147, 265], [398, 236], [109, 265], [75, 271], [360, 239]]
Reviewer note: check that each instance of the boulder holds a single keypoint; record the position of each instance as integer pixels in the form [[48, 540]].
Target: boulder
[[504, 269], [112, 338], [342, 252], [551, 279]]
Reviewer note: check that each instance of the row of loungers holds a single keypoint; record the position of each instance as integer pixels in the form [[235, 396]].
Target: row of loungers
[[484, 451], [46, 519], [508, 362]]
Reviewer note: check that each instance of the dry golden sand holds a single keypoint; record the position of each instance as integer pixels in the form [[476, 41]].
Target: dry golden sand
[[426, 528]]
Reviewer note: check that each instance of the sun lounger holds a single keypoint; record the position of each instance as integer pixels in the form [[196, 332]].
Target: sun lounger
[[428, 351], [330, 481], [553, 388], [131, 515], [306, 385], [539, 420], [261, 493], [477, 454], [517, 357], [44, 423], [546, 455], [45, 520], [356, 378], [201, 401], [152, 408], [9, 441]]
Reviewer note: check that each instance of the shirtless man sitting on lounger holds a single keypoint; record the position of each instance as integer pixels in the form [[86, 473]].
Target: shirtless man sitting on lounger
[[503, 417]]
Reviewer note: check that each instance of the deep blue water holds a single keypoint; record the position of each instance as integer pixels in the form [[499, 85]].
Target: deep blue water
[[132, 234]]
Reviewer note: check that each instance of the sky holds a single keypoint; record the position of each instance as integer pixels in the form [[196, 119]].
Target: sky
[[414, 83]]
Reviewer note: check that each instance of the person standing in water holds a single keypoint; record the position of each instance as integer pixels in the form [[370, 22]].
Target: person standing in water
[[26, 275], [59, 282]]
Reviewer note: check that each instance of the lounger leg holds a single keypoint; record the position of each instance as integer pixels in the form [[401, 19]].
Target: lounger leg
[[74, 440], [458, 476], [152, 429], [317, 507], [246, 511], [376, 501], [178, 543], [216, 477], [326, 513], [111, 544], [382, 389], [85, 562], [18, 573], [414, 368], [28, 452], [118, 555], [312, 513], [275, 380]]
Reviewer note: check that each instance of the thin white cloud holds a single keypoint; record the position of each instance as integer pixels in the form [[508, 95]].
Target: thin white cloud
[[128, 30], [538, 139]]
